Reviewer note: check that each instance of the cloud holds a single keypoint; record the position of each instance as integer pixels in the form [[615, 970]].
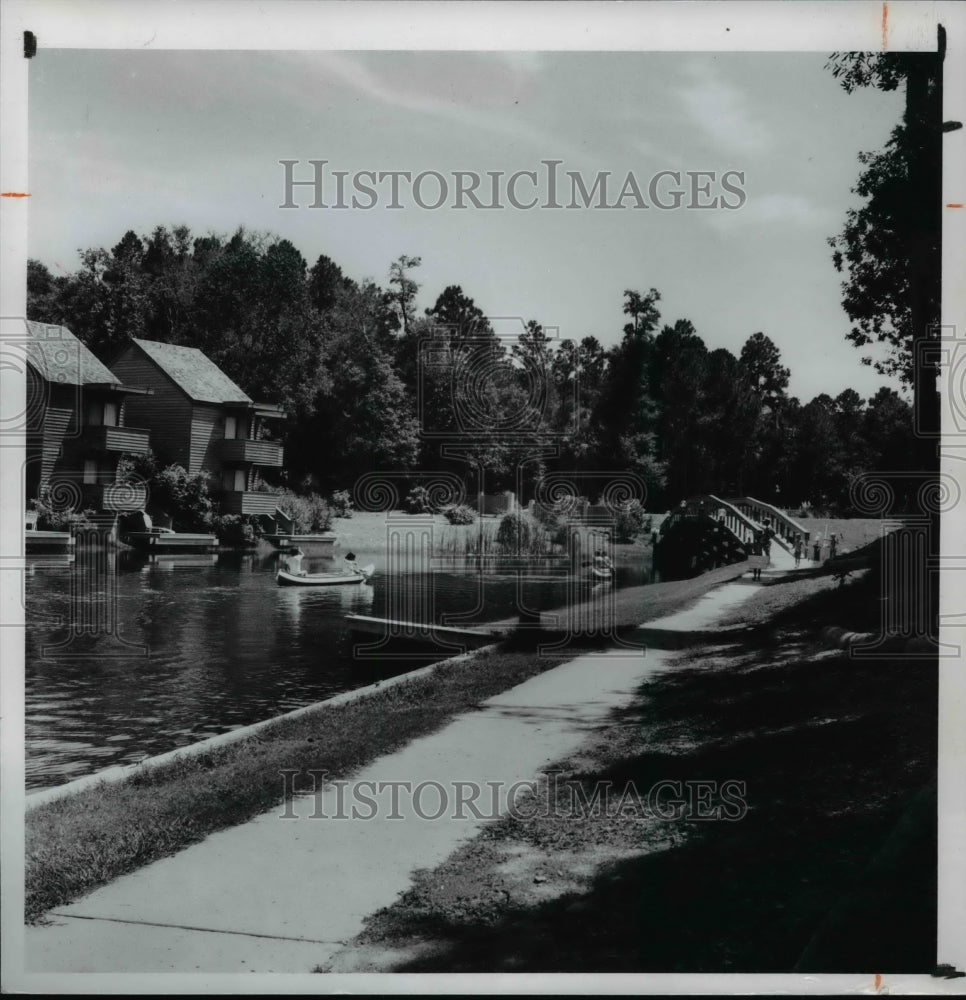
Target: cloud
[[477, 96], [434, 81], [771, 209], [722, 111]]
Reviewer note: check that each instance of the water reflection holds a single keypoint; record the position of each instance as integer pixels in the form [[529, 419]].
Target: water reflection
[[179, 647]]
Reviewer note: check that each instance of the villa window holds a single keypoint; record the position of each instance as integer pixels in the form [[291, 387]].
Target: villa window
[[90, 471], [231, 428], [233, 479], [103, 414]]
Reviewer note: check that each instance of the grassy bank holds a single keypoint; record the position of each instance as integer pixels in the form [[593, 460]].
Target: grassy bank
[[86, 840], [621, 610], [852, 532], [831, 869], [366, 532], [78, 843]]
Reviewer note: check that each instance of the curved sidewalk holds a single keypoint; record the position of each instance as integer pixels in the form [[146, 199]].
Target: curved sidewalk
[[283, 894]]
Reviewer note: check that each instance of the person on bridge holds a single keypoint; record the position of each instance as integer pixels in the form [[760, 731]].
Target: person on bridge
[[798, 550]]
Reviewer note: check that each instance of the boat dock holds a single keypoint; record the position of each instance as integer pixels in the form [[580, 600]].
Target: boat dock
[[152, 541], [285, 542], [47, 541]]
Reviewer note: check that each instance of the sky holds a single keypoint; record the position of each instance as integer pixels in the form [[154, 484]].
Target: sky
[[123, 139]]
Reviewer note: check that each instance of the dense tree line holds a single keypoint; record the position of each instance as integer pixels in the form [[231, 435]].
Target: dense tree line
[[370, 385]]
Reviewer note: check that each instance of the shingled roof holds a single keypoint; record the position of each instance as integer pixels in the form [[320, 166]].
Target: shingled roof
[[58, 356], [193, 372]]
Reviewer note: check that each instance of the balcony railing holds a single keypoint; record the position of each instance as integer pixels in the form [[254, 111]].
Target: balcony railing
[[130, 440], [253, 452], [247, 502]]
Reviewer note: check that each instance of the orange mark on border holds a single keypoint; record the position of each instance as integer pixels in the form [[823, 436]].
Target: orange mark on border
[[954, 204], [885, 26], [878, 978], [14, 194]]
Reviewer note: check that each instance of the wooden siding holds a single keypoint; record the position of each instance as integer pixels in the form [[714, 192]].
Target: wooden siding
[[124, 440], [61, 431], [254, 452], [57, 424], [166, 413], [59, 443], [207, 433], [236, 502], [51, 420]]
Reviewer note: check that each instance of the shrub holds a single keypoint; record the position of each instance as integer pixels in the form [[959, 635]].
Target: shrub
[[552, 522], [460, 514], [137, 467], [173, 494], [185, 498], [341, 504], [631, 521], [235, 529], [520, 534], [309, 511], [51, 517], [418, 501], [515, 533]]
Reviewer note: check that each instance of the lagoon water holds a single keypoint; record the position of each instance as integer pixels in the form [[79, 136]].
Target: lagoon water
[[186, 647]]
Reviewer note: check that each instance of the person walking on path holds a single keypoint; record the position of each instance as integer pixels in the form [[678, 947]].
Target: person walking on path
[[758, 557], [817, 550], [798, 551], [833, 544]]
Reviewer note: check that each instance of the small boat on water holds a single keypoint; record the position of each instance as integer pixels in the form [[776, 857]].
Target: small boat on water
[[360, 575], [600, 567]]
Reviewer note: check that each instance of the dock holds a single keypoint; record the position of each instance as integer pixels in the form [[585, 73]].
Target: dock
[[180, 560], [47, 541], [324, 541], [152, 541]]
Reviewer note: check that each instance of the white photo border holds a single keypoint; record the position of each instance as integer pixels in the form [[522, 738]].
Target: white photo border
[[597, 26]]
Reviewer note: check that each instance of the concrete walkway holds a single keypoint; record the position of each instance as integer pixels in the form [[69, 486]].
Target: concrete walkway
[[283, 895]]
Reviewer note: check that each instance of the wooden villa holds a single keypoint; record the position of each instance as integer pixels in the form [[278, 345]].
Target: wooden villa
[[201, 420], [78, 424]]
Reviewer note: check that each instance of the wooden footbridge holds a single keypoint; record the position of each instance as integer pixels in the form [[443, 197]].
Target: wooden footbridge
[[707, 531]]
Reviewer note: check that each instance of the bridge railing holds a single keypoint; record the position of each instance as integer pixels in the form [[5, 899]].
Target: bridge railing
[[785, 527], [736, 521], [708, 505]]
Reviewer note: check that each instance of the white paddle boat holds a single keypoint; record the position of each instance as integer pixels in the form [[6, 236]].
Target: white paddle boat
[[349, 574]]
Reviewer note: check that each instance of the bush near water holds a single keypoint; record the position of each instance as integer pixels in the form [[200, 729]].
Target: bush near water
[[418, 501], [631, 522], [189, 502], [459, 513], [52, 517]]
